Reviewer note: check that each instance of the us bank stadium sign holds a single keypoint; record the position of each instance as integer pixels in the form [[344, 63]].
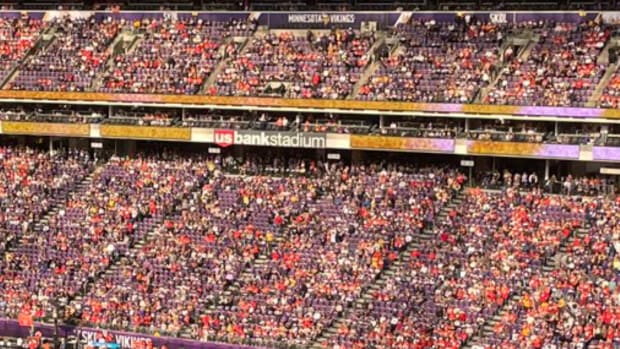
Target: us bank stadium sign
[[226, 138]]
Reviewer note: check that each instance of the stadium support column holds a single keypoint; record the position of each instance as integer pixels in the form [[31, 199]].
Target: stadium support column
[[51, 145], [466, 125], [182, 114], [546, 169], [381, 121], [556, 130]]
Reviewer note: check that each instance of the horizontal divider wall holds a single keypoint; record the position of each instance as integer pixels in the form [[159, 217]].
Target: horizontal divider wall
[[330, 140]]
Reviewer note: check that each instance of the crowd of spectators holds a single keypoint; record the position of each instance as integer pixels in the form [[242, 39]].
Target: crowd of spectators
[[420, 129], [328, 123], [530, 136], [76, 55], [453, 282], [585, 185], [275, 122], [51, 113], [177, 245], [17, 37], [566, 185], [561, 70], [146, 118], [13, 114], [442, 62], [332, 235], [289, 64], [159, 286], [192, 257], [174, 56], [508, 131], [578, 303], [101, 220], [58, 115], [516, 131], [202, 252], [507, 136], [611, 94], [31, 182]]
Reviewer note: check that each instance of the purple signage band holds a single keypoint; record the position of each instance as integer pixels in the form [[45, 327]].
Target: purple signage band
[[561, 111], [606, 153], [326, 20], [207, 16], [538, 111], [507, 16], [18, 14], [560, 151], [11, 328]]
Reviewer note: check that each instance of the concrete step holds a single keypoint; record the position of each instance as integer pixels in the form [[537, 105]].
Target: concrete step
[[600, 87], [369, 71]]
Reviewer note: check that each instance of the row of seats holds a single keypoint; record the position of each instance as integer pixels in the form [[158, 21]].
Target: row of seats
[[73, 60], [199, 269], [578, 303], [480, 253], [175, 245], [321, 66], [31, 182], [17, 37], [440, 62], [561, 70], [444, 62], [115, 207], [174, 57]]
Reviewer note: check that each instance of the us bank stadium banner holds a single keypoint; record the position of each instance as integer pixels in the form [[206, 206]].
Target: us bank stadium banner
[[45, 129], [125, 340], [439, 145], [557, 151], [226, 138], [146, 132], [606, 153]]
